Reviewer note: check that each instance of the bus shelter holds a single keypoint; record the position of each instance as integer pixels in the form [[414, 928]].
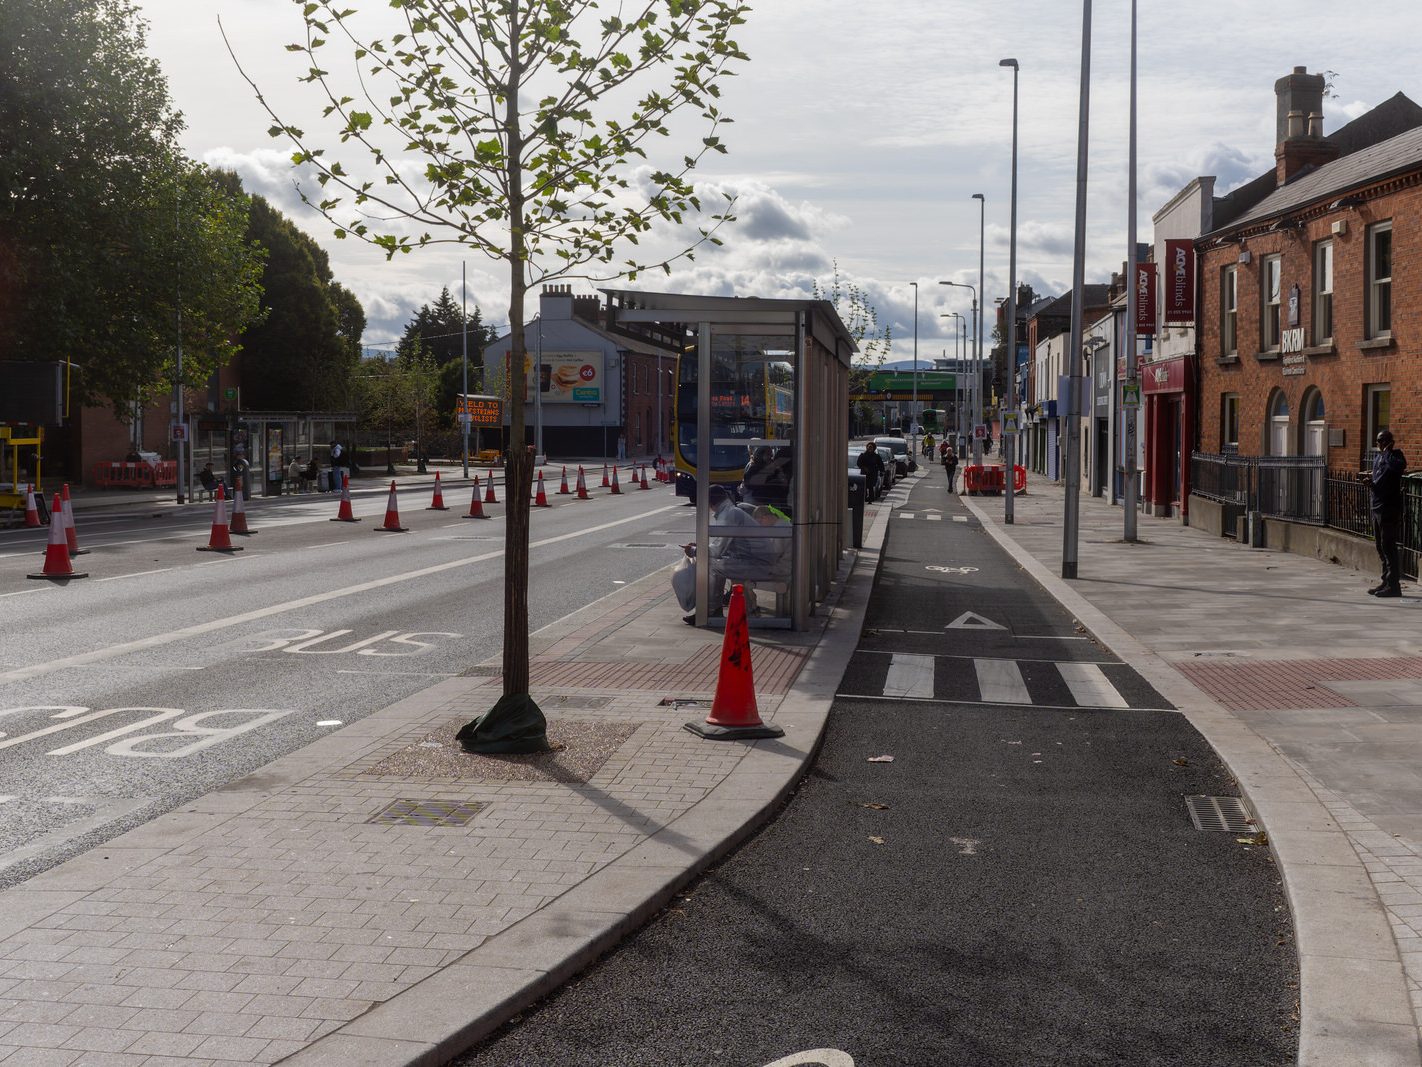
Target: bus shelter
[[760, 423]]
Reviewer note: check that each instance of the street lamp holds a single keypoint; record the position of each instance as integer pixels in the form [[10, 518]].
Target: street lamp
[[1009, 440], [913, 407], [976, 375], [1071, 511], [958, 332], [1129, 503]]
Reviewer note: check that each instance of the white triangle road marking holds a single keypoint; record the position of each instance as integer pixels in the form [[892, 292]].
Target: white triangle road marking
[[971, 620]]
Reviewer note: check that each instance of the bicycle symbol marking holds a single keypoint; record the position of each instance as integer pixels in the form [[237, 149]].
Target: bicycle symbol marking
[[951, 570]]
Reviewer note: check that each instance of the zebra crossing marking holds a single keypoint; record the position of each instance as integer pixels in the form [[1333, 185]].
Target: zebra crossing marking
[[1089, 685], [909, 676], [1000, 682]]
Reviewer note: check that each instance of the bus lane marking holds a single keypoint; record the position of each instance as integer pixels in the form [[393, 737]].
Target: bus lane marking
[[213, 626]]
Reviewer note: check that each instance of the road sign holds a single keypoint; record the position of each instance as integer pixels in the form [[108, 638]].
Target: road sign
[[1130, 394], [230, 393], [1009, 422], [178, 431], [979, 431]]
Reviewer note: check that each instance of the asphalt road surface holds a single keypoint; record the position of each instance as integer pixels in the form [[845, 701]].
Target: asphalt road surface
[[1021, 885], [169, 672]]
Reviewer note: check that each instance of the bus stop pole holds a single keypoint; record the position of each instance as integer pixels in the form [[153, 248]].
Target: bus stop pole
[[703, 472], [799, 546], [464, 332]]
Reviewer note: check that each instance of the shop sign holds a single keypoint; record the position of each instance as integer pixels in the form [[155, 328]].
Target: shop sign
[[1145, 298], [1179, 282], [1294, 365], [1292, 340]]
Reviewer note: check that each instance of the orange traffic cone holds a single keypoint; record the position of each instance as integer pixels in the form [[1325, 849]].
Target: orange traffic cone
[[437, 504], [645, 484], [605, 482], [32, 518], [70, 534], [563, 489], [582, 486], [489, 497], [392, 515], [218, 540], [344, 513], [616, 489], [238, 525], [56, 554], [540, 499], [476, 509], [734, 716]]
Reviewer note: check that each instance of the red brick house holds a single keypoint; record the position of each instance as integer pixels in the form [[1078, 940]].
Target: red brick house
[[1309, 314]]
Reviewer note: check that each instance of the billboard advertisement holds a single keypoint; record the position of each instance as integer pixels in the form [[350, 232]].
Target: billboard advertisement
[[566, 378], [1179, 281], [1145, 298]]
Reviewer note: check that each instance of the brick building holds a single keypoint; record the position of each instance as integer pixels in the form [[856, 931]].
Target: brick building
[[1310, 319]]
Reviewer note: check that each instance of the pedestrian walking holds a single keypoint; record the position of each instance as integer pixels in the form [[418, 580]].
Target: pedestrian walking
[[338, 461], [950, 467], [1385, 481]]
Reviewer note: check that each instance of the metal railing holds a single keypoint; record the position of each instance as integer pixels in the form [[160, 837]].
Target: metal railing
[[1224, 478]]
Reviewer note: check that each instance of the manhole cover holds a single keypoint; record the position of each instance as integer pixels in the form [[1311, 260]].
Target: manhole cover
[[1221, 813], [426, 813]]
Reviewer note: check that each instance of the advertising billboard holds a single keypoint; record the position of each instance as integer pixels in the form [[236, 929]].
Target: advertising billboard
[[566, 378], [1145, 298], [1179, 281]]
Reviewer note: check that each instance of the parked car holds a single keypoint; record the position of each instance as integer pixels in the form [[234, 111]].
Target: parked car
[[903, 458], [876, 488], [891, 470]]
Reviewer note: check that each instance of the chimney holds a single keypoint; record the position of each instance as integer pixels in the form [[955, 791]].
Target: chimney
[[1299, 125]]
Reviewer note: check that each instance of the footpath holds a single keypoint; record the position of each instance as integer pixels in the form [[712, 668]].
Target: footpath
[[1311, 692]]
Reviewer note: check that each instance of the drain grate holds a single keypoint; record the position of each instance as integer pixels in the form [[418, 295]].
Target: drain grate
[[406, 812], [1221, 813]]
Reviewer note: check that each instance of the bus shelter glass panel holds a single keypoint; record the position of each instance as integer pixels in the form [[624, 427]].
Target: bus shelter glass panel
[[752, 468]]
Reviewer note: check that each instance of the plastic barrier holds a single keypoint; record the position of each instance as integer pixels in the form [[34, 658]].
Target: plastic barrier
[[1019, 479]]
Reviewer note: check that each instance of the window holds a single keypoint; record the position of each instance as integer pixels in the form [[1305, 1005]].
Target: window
[[1229, 311], [1380, 280], [1229, 422], [1270, 286], [1377, 402], [1315, 425], [1278, 425], [1323, 293]]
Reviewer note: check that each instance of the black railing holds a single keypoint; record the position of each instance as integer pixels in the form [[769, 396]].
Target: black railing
[[1225, 478], [1290, 487], [1348, 503]]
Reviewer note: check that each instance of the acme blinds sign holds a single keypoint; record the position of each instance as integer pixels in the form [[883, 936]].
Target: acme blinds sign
[[1179, 283]]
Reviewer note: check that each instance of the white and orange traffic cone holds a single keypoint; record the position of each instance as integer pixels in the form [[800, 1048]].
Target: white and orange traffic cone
[[734, 715], [563, 489], [645, 484], [476, 509], [70, 533], [219, 540], [238, 525], [437, 504], [540, 499], [616, 489], [392, 515], [344, 513], [56, 554], [32, 518], [635, 477], [605, 482], [582, 486], [489, 497]]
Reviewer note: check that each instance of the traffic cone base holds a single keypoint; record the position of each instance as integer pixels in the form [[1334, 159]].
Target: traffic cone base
[[734, 716], [437, 504], [57, 567], [392, 516]]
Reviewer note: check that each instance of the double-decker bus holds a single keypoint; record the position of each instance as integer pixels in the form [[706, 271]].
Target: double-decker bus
[[752, 407]]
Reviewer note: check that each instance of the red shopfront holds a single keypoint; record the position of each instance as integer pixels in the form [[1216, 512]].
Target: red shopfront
[[1169, 397]]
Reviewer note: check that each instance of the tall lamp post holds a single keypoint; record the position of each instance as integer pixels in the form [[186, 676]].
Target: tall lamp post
[[1071, 512], [913, 406], [976, 376], [957, 368], [1132, 481], [464, 356], [1009, 440], [978, 351]]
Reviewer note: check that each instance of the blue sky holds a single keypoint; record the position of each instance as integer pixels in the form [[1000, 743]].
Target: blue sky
[[863, 127]]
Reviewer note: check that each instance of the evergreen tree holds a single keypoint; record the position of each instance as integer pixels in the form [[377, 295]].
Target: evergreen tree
[[437, 331]]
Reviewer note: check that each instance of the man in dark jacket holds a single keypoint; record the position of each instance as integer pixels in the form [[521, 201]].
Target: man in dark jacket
[[1386, 485]]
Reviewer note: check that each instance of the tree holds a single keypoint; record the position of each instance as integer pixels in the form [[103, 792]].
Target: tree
[[861, 319], [397, 395], [109, 236], [303, 352], [510, 106], [439, 328]]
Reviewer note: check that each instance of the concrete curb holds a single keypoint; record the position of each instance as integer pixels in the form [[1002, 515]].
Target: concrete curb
[[451, 1011], [1354, 1007]]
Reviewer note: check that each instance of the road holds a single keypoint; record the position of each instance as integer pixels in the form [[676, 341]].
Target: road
[[169, 672], [1020, 885]]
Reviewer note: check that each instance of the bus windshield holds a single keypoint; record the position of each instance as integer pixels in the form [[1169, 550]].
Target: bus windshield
[[752, 398]]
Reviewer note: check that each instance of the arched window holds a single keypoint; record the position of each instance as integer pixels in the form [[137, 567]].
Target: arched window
[[1314, 425], [1278, 425]]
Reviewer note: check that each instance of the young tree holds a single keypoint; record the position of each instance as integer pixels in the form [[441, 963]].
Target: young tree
[[108, 234], [440, 328], [534, 127], [861, 319]]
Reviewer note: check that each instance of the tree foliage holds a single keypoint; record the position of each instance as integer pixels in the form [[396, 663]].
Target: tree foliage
[[861, 319], [439, 330], [108, 234], [533, 122]]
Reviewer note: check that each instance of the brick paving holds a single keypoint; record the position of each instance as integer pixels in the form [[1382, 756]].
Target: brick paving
[[1294, 683], [254, 921]]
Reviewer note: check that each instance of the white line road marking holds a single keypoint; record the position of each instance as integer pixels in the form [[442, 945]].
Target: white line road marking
[[934, 518], [135, 574], [22, 592], [906, 514], [1090, 687], [960, 518], [971, 620], [1000, 682], [114, 651], [405, 674], [909, 676]]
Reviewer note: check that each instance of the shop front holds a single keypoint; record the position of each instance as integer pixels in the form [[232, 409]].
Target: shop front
[[1167, 388]]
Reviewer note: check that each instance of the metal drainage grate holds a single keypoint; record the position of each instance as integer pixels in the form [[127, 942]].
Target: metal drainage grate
[[679, 702], [1221, 813], [426, 813]]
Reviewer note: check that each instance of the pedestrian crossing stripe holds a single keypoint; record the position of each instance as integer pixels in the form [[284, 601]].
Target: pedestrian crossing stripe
[[914, 515], [987, 680]]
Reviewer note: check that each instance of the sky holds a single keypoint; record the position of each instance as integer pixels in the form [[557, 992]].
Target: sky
[[862, 130]]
